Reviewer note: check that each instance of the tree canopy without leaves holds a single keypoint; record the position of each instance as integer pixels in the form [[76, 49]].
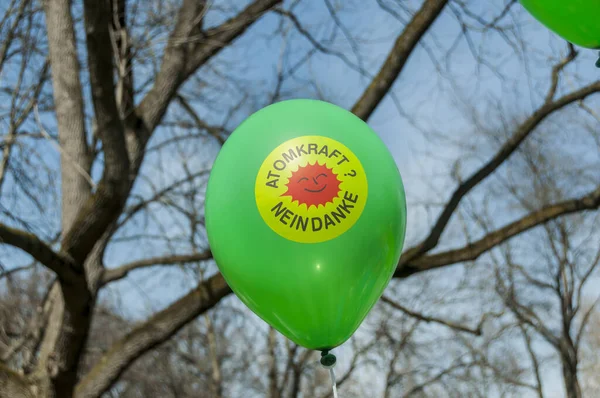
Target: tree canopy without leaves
[[113, 111]]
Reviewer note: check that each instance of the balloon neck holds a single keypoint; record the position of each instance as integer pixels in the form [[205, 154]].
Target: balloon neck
[[327, 360]]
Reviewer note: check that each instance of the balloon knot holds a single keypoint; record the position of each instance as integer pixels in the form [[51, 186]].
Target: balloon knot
[[328, 360]]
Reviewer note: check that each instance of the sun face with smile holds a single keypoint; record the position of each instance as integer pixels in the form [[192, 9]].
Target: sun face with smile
[[313, 185]]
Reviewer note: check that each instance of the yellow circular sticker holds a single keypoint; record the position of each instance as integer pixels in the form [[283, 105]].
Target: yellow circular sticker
[[311, 189]]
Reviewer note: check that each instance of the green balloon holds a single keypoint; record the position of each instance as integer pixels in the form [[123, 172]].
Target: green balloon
[[306, 217], [574, 20]]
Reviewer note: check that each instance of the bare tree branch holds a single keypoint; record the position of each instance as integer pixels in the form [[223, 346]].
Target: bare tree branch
[[475, 249], [13, 384], [189, 49], [34, 333], [396, 59], [274, 391], [17, 120], [68, 100], [200, 124], [134, 209], [99, 211], [584, 322], [430, 319], [98, 15], [522, 312], [114, 274], [62, 265], [216, 374], [534, 361], [558, 68], [437, 377], [320, 47], [64, 155], [150, 334], [509, 147], [122, 49], [7, 273]]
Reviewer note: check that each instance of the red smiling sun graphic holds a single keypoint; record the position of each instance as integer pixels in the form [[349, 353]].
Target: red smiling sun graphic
[[313, 185]]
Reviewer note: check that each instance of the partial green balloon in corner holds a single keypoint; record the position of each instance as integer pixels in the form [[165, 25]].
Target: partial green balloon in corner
[[577, 21]]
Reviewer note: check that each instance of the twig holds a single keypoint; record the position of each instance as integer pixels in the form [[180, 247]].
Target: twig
[[430, 319]]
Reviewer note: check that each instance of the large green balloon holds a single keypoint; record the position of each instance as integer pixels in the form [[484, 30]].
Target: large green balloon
[[306, 216], [574, 20]]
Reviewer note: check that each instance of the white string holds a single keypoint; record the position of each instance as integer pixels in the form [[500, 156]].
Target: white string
[[333, 382]]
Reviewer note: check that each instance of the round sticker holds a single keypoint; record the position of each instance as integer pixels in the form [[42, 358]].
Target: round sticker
[[311, 189]]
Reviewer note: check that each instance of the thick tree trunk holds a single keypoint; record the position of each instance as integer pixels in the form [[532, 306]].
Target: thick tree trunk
[[572, 387], [70, 316], [68, 102], [568, 357]]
